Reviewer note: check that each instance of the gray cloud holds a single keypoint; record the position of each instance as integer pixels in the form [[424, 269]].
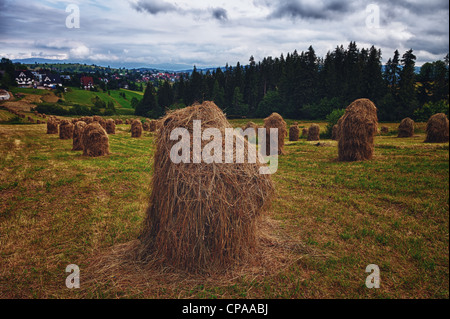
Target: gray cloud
[[220, 14], [153, 6], [306, 9]]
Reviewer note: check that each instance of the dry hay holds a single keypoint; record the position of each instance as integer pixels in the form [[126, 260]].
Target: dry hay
[[336, 130], [437, 129], [66, 130], [127, 122], [406, 128], [357, 131], [87, 119], [314, 133], [118, 122], [384, 130], [146, 126], [275, 121], [100, 120], [202, 216], [30, 119], [77, 136], [95, 140], [153, 125], [110, 126], [136, 129], [253, 126], [294, 133], [305, 132], [52, 126], [116, 270]]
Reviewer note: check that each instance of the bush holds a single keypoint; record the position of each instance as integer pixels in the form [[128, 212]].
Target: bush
[[429, 109], [332, 120], [49, 108]]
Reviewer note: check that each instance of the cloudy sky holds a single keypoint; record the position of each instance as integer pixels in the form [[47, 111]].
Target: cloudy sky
[[215, 32]]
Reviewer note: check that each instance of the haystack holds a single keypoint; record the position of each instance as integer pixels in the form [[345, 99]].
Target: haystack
[[357, 131], [52, 127], [146, 126], [118, 122], [110, 126], [437, 129], [314, 133], [77, 136], [406, 128], [275, 121], [384, 130], [294, 133], [202, 216], [87, 119], [305, 132], [253, 126], [95, 140], [153, 125], [136, 129], [66, 130], [100, 120], [335, 132]]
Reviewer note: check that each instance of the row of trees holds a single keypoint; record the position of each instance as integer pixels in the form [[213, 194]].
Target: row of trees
[[304, 86]]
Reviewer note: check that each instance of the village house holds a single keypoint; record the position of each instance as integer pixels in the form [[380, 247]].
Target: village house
[[51, 80], [24, 78], [87, 82]]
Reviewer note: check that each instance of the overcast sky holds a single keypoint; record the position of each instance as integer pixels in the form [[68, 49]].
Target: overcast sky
[[212, 33]]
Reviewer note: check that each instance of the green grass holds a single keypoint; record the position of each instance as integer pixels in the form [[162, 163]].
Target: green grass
[[58, 208]]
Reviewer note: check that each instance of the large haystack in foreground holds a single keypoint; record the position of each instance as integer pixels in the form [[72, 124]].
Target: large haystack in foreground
[[275, 121], [202, 216], [406, 128], [357, 131], [77, 136], [95, 140], [136, 128], [66, 130], [437, 129], [314, 133]]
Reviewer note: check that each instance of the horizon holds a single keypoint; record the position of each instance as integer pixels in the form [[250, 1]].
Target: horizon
[[211, 34]]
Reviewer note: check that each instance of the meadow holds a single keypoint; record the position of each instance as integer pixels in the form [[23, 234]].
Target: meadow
[[328, 221]]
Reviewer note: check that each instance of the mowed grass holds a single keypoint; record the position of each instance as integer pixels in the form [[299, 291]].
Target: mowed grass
[[58, 208]]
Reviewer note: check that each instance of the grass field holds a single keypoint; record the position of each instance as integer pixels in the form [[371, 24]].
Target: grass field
[[58, 208]]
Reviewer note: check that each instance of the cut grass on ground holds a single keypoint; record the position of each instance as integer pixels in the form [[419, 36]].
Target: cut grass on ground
[[57, 208]]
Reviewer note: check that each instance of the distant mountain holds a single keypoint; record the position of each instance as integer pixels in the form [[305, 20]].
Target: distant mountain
[[174, 67]]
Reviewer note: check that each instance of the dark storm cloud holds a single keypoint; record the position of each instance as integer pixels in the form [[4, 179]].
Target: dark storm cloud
[[305, 9], [220, 14], [153, 6]]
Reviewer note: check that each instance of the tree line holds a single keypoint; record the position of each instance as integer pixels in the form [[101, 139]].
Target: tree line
[[304, 86]]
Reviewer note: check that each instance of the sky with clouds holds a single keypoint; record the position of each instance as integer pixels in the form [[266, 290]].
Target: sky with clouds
[[210, 33]]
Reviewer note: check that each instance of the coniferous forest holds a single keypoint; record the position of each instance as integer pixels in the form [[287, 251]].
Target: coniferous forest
[[305, 86]]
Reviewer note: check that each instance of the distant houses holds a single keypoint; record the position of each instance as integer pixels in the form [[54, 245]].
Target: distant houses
[[87, 82], [24, 78], [51, 80]]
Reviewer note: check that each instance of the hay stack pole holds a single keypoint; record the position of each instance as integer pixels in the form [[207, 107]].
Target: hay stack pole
[[201, 216], [406, 128], [77, 135], [357, 131], [66, 130], [275, 121], [437, 129], [95, 140]]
